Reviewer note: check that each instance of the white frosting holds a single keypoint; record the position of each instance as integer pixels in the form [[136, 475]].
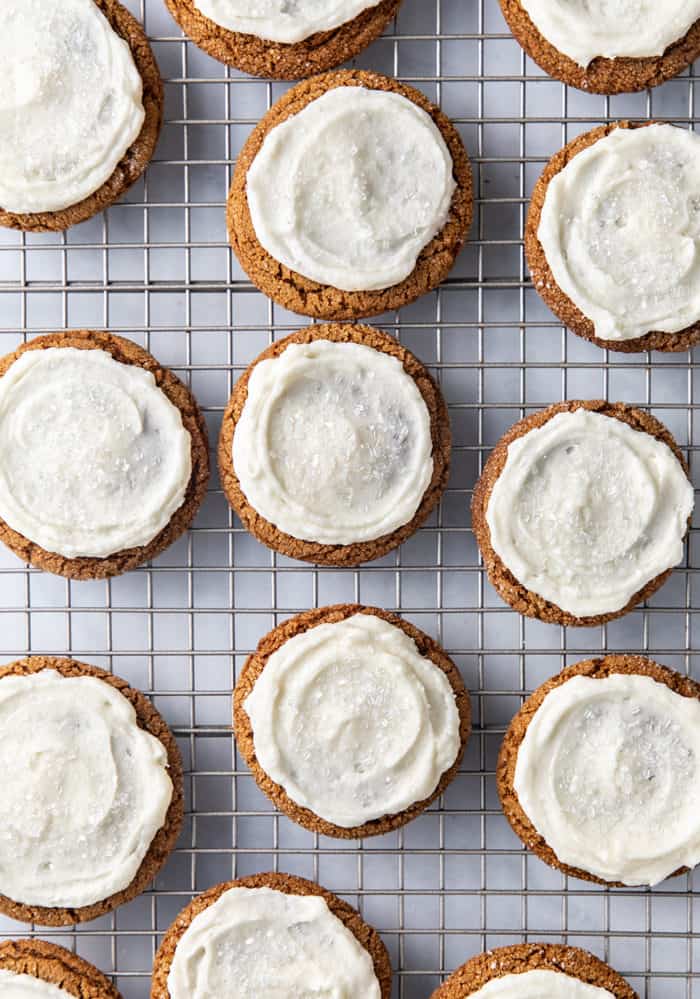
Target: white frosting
[[84, 790], [608, 773], [287, 21], [587, 511], [353, 721], [334, 443], [587, 29], [620, 228], [15, 986], [540, 983], [257, 942], [349, 191], [94, 458], [70, 103]]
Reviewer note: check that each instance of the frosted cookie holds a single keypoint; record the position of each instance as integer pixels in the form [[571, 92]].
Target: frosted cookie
[[35, 969], [352, 720], [613, 237], [270, 934], [275, 41], [533, 970], [92, 791], [335, 445], [581, 512], [103, 454], [352, 197], [598, 773], [81, 108], [607, 47]]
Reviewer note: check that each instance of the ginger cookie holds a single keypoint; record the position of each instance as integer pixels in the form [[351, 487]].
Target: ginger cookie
[[297, 46], [581, 512], [44, 970], [104, 454], [605, 49], [352, 197], [523, 971], [65, 159], [621, 274], [203, 954], [368, 674], [335, 445], [93, 795], [598, 771]]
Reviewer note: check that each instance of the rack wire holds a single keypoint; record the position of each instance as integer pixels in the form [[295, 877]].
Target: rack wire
[[157, 268]]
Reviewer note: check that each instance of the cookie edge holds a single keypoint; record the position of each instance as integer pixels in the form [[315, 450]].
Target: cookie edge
[[256, 56], [621, 75]]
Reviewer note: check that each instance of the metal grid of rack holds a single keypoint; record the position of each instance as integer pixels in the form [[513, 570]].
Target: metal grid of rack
[[157, 268]]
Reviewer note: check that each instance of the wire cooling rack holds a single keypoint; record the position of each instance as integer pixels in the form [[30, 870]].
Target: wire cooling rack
[[157, 268]]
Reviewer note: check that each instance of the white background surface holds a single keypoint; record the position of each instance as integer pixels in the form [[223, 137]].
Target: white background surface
[[157, 268]]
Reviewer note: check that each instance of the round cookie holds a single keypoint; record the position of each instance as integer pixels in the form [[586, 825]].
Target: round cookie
[[165, 839], [505, 771], [322, 301], [243, 729], [521, 958], [137, 157], [290, 885], [349, 554], [621, 75], [278, 61], [540, 272], [58, 966], [501, 578], [125, 352]]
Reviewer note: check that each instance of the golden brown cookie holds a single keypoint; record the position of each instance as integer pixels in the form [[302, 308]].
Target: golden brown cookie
[[136, 158], [603, 76], [256, 663], [126, 352], [543, 280], [56, 965], [290, 885], [520, 958], [299, 294], [166, 837], [260, 57], [365, 551], [597, 669], [501, 578]]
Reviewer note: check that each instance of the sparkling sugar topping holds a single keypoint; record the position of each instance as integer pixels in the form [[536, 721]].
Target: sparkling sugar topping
[[286, 21], [586, 29], [620, 228], [349, 191], [84, 790], [587, 511], [94, 458], [539, 984], [259, 943], [334, 443], [608, 774], [15, 986], [353, 722], [70, 103]]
